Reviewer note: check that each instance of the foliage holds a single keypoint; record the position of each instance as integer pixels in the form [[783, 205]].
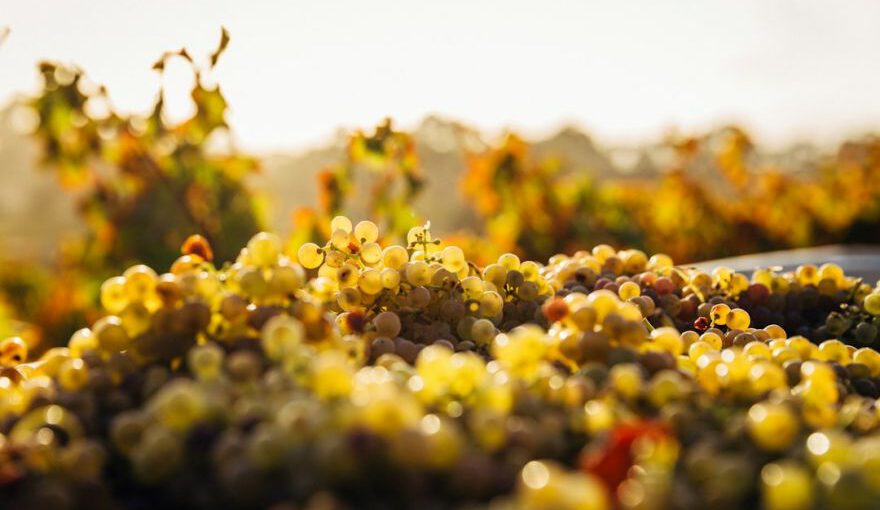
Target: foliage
[[386, 164], [143, 185], [700, 208]]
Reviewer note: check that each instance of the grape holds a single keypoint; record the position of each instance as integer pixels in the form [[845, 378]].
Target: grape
[[286, 279], [73, 374], [629, 290], [736, 318], [110, 334], [370, 281], [663, 285], [139, 282], [341, 239], [720, 314], [418, 273], [659, 261], [366, 232], [509, 261], [419, 297], [348, 298], [13, 350], [490, 304], [807, 274], [390, 278], [310, 255], [81, 342], [786, 486], [281, 336], [453, 259], [773, 427], [865, 333], [253, 283], [206, 361], [113, 294], [371, 253], [872, 304], [264, 249], [482, 332], [340, 223], [387, 324], [394, 257], [208, 383]]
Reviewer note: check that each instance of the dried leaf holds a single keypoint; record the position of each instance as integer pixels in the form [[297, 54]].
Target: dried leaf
[[224, 42]]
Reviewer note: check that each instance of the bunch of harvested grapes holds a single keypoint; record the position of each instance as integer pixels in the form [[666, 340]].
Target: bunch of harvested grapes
[[407, 377]]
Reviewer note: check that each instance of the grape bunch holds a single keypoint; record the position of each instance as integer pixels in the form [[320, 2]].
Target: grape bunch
[[364, 374]]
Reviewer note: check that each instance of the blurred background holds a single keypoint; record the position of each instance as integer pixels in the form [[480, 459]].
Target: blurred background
[[700, 129]]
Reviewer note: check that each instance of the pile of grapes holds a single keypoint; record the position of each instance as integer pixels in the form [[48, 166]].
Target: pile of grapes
[[363, 376]]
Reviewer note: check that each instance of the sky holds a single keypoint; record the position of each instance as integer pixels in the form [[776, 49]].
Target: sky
[[625, 71]]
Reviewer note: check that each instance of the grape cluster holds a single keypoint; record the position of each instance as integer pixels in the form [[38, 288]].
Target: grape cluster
[[362, 374]]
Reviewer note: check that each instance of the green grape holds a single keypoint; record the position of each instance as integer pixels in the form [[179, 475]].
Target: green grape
[[169, 290], [865, 333], [786, 486], [872, 303], [737, 319], [281, 336], [253, 283], [140, 282], [13, 350], [286, 279], [126, 430], [419, 297], [495, 273], [394, 257], [113, 294], [387, 324], [509, 261], [73, 374], [264, 249], [340, 239], [720, 314], [310, 255], [348, 298], [110, 334], [158, 455], [490, 304], [453, 259], [366, 232], [807, 274], [629, 290], [370, 281], [773, 427], [232, 306], [136, 319], [81, 342], [371, 253], [482, 332], [530, 270], [528, 291], [659, 261], [340, 223], [390, 278], [626, 380], [418, 273], [206, 361], [334, 258], [348, 275]]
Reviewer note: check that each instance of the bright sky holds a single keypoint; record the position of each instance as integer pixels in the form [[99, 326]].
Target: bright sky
[[296, 69]]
